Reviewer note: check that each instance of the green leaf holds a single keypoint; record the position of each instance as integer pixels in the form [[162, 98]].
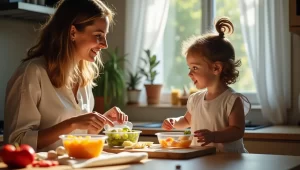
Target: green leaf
[[154, 65], [152, 60], [151, 63], [111, 83], [145, 61]]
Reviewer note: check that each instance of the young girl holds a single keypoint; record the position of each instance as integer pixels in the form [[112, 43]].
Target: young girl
[[217, 115]]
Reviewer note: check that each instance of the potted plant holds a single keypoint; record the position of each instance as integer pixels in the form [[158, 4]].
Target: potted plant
[[110, 89], [133, 93], [152, 90]]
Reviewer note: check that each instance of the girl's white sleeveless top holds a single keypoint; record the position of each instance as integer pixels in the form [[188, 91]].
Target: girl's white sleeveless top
[[213, 115]]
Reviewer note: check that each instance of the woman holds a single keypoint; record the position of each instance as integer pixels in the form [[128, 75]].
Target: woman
[[50, 94]]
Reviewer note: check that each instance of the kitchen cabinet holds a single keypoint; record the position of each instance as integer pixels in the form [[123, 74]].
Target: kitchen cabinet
[[294, 16], [25, 11], [279, 147]]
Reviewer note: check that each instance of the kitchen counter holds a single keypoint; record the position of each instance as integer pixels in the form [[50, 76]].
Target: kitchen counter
[[277, 140], [224, 161], [291, 133]]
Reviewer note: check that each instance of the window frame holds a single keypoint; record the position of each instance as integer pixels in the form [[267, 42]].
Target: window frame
[[208, 15]]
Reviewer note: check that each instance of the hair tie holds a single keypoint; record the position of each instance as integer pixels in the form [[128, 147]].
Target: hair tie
[[221, 34]]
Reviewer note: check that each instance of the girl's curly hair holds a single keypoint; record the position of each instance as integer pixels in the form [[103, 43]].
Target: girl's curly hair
[[215, 47]]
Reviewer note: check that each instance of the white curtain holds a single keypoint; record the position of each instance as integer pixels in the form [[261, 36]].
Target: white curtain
[[145, 25], [265, 31]]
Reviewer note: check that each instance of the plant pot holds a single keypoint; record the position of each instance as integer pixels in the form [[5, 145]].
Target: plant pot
[[183, 101], [99, 105], [153, 93], [133, 96]]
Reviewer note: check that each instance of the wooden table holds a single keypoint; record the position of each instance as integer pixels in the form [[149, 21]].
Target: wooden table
[[224, 161]]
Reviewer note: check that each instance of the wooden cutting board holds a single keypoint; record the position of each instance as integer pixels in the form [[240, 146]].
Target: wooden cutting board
[[156, 151]]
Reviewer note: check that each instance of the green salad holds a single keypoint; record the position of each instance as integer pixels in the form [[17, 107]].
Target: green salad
[[187, 132], [116, 137]]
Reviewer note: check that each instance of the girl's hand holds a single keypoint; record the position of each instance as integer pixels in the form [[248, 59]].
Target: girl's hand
[[204, 136], [115, 114], [90, 121], [168, 124]]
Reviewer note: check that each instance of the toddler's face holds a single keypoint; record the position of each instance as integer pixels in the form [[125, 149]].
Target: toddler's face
[[200, 72]]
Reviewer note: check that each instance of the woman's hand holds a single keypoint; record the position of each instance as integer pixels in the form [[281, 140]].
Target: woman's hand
[[90, 121], [115, 114], [204, 136], [168, 124]]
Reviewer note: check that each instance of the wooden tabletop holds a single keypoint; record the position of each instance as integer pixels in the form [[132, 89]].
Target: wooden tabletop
[[268, 133], [224, 161]]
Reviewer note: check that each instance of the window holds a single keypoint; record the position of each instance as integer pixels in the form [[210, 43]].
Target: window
[[186, 18]]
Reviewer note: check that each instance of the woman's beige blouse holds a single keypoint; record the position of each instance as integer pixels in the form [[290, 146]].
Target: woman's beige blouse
[[32, 103]]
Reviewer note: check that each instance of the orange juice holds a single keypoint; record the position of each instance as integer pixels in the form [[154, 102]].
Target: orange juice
[[175, 93], [193, 90]]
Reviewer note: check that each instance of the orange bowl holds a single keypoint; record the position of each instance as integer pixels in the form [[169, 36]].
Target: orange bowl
[[83, 146]]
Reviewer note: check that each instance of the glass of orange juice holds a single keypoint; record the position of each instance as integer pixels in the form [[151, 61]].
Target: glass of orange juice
[[193, 90], [175, 94]]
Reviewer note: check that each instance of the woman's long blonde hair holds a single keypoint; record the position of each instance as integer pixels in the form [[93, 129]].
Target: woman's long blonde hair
[[55, 44]]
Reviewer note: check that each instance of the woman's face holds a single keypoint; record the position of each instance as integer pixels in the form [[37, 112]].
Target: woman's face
[[89, 42]]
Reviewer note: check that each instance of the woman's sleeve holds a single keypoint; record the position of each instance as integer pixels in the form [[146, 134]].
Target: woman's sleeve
[[21, 115]]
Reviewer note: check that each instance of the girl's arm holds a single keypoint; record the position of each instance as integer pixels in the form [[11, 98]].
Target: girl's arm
[[181, 122], [236, 127]]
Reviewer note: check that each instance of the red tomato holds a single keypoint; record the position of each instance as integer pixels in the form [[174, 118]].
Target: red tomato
[[45, 163], [6, 153], [17, 157], [55, 163]]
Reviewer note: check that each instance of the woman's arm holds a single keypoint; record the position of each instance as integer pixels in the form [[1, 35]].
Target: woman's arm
[[50, 135], [21, 115], [92, 122]]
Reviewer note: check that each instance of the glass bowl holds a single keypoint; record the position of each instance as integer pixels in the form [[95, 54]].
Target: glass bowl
[[174, 139], [116, 137], [83, 146]]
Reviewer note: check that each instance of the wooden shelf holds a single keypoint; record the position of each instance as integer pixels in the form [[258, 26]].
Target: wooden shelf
[[25, 11]]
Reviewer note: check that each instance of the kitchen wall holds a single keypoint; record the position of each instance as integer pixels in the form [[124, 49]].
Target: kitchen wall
[[16, 36]]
